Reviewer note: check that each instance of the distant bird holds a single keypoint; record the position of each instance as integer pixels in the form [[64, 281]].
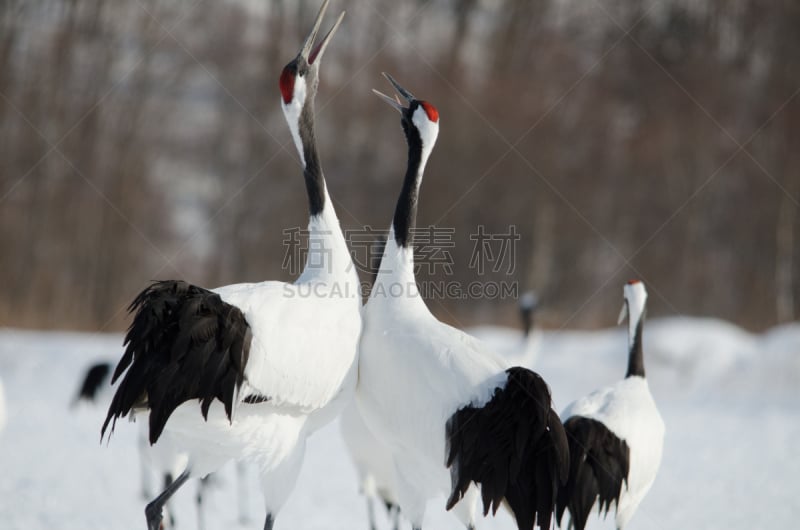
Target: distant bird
[[374, 466], [615, 434], [248, 371], [454, 415], [519, 349], [528, 304]]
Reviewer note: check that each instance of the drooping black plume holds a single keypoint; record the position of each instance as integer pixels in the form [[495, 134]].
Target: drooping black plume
[[514, 447], [600, 462], [184, 343]]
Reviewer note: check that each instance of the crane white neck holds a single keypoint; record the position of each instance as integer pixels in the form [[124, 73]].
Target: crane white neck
[[396, 280]]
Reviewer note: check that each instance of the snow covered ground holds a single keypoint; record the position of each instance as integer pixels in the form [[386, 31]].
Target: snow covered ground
[[730, 400]]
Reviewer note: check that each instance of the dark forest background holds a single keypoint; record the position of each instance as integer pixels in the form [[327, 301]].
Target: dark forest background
[[143, 139]]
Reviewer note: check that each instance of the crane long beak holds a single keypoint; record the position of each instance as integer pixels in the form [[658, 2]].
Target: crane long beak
[[395, 103], [310, 52], [316, 53], [623, 313], [403, 92]]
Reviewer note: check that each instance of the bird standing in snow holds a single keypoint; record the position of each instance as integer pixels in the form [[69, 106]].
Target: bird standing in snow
[[453, 413], [528, 305], [615, 434], [248, 371]]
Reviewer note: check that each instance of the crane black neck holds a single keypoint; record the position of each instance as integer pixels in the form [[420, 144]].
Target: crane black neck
[[315, 181], [405, 213], [635, 356]]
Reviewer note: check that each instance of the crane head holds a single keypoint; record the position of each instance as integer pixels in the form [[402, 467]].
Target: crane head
[[635, 296], [299, 78], [419, 115]]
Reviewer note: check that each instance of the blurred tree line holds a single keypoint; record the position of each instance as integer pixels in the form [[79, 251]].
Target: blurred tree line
[[143, 139]]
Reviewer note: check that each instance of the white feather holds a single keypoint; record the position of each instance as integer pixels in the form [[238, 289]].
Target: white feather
[[304, 340]]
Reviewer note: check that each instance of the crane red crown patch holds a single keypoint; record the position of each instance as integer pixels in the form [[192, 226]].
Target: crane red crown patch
[[430, 110], [633, 282], [286, 84]]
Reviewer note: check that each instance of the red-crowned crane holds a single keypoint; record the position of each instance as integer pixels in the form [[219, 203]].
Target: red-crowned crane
[[616, 435], [248, 371], [454, 414]]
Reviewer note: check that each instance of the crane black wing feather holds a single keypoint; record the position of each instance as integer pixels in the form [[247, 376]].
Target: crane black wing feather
[[514, 447], [600, 462], [184, 343]]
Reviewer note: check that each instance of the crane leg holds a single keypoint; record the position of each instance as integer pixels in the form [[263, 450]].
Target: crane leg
[[371, 513], [201, 489], [269, 522], [170, 512], [241, 490], [144, 469], [394, 513], [153, 511]]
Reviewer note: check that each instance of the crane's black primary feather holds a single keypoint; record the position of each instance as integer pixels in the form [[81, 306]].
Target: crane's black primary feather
[[600, 462], [514, 447], [184, 343]]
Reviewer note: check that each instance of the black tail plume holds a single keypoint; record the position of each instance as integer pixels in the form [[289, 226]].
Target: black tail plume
[[600, 463], [514, 447], [184, 343]]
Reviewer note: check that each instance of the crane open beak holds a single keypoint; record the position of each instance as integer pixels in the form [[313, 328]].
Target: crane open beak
[[312, 53], [396, 101]]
